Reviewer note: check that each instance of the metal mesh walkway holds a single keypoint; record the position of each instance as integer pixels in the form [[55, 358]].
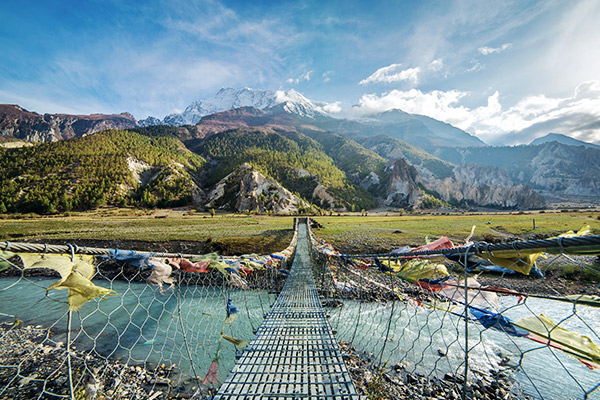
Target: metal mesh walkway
[[294, 354]]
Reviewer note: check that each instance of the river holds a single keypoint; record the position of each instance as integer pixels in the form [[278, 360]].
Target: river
[[143, 325]]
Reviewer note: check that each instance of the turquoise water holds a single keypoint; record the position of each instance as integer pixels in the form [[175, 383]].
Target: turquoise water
[[143, 325], [417, 336]]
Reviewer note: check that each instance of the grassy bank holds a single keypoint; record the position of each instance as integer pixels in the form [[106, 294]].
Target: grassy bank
[[241, 233], [378, 232]]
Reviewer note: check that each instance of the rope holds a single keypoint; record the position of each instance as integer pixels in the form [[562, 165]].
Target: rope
[[73, 249], [564, 244]]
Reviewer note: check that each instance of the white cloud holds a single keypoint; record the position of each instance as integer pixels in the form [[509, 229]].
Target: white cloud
[[332, 108], [302, 78], [327, 76], [436, 65], [476, 66], [486, 51], [393, 73], [533, 116]]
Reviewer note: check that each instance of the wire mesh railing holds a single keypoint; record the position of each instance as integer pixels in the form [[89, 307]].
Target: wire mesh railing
[[88, 323], [446, 321], [80, 322]]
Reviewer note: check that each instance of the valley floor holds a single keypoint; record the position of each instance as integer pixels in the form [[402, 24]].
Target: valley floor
[[187, 231]]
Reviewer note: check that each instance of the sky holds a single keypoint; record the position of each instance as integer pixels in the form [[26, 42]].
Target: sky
[[505, 71]]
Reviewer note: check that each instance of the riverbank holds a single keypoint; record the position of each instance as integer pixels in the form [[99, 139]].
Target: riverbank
[[34, 366], [396, 383]]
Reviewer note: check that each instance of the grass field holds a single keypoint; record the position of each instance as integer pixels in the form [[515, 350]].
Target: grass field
[[261, 233], [380, 232]]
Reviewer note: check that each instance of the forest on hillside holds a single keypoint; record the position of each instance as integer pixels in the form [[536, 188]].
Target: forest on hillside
[[296, 161], [92, 171]]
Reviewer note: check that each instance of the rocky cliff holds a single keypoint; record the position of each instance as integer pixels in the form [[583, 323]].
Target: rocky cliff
[[246, 189], [556, 170], [467, 184], [485, 186], [566, 170], [401, 189], [22, 124]]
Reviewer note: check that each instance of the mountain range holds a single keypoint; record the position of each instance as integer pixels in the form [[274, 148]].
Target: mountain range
[[277, 151], [229, 99]]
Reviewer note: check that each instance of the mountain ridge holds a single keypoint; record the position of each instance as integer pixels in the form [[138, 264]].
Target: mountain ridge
[[20, 123], [230, 98], [563, 139], [416, 129]]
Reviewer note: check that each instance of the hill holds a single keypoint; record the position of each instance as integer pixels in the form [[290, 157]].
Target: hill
[[289, 157], [112, 167], [372, 165], [248, 151]]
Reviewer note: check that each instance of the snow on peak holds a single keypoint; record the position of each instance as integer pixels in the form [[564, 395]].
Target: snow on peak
[[230, 98]]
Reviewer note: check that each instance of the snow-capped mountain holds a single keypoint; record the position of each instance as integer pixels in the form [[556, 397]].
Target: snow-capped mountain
[[229, 98], [149, 122]]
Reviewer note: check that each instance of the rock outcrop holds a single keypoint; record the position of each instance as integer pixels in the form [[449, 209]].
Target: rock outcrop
[[484, 186], [325, 199], [558, 171], [402, 189], [566, 170], [246, 189]]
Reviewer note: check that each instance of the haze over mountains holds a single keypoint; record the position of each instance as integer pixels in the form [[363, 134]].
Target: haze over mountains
[[279, 151]]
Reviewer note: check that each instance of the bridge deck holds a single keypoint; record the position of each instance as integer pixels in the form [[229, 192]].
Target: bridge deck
[[294, 354]]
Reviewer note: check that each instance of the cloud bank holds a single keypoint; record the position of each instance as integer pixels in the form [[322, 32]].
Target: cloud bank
[[577, 116]]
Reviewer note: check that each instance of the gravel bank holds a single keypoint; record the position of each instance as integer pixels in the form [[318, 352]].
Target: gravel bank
[[34, 366], [397, 384]]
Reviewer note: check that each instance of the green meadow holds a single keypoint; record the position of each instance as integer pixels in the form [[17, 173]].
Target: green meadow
[[263, 233]]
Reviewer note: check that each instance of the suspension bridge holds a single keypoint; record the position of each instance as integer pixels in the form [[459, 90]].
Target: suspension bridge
[[294, 354]]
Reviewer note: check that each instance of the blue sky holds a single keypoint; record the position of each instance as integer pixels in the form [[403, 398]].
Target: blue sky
[[507, 71]]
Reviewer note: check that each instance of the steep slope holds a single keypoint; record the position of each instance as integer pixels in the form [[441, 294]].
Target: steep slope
[[418, 130], [22, 124], [390, 148], [464, 185], [112, 167], [556, 170], [246, 189], [478, 185], [354, 159], [349, 156], [373, 164]]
